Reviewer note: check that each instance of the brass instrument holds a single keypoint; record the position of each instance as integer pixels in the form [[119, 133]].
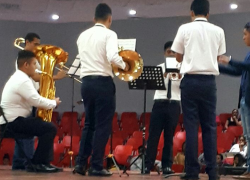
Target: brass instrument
[[136, 66], [61, 67], [48, 56]]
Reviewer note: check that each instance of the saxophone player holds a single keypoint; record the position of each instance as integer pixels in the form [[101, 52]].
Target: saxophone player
[[18, 97], [98, 49]]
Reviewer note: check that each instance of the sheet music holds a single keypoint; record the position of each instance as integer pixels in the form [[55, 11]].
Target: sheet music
[[75, 67], [127, 44], [171, 63]]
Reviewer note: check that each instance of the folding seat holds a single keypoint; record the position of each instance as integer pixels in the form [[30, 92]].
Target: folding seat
[[225, 141], [116, 141], [58, 154], [177, 129], [219, 129], [135, 142], [177, 168], [123, 154], [224, 117], [180, 121], [55, 118], [218, 121], [229, 160], [200, 143], [161, 141], [70, 119], [236, 130], [56, 139], [181, 136], [147, 118], [137, 134], [115, 123], [177, 146]]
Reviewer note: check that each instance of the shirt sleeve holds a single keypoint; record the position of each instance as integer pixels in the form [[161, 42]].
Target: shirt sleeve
[[112, 51], [178, 44], [222, 46], [29, 93]]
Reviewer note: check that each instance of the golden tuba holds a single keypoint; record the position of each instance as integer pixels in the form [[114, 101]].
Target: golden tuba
[[48, 56], [136, 66]]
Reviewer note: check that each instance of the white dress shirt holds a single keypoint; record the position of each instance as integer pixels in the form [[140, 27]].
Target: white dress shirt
[[36, 84], [175, 88], [236, 148], [98, 49], [200, 42], [18, 97]]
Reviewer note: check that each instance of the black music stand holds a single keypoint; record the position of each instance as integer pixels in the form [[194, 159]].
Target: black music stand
[[73, 73], [151, 79]]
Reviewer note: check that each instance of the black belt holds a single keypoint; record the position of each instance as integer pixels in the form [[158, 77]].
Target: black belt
[[97, 77], [166, 100]]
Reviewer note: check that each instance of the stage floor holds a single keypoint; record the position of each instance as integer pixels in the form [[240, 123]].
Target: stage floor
[[7, 174]]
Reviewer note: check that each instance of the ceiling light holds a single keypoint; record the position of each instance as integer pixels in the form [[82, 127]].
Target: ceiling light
[[55, 17], [132, 12], [233, 6]]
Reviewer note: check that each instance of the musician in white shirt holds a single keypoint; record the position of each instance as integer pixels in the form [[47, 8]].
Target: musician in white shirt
[[98, 50], [198, 45], [18, 97], [164, 118]]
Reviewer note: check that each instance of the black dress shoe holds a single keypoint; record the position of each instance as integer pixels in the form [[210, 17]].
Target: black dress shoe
[[167, 170], [79, 170], [188, 177], [57, 168], [147, 171], [41, 168], [103, 172]]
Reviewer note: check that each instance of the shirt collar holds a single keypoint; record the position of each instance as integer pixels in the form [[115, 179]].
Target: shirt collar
[[200, 19], [99, 24], [21, 72]]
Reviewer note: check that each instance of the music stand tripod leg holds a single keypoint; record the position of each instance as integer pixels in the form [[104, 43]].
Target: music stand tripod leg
[[116, 166]]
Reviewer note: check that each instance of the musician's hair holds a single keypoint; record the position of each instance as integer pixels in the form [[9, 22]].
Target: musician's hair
[[24, 56], [102, 12], [247, 26], [168, 45], [30, 37], [200, 7]]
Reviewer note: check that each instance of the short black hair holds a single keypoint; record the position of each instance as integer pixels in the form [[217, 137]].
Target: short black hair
[[247, 26], [30, 37], [24, 56], [200, 7], [168, 45], [102, 11]]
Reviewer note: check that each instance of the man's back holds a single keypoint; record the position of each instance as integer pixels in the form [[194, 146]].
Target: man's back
[[92, 47]]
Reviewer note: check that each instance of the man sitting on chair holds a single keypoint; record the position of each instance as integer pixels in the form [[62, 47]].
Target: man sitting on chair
[[18, 97]]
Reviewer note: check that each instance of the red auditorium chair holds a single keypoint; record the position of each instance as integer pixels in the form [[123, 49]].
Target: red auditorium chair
[[236, 130], [129, 122], [70, 119], [177, 129], [115, 142], [137, 134], [58, 154], [177, 168], [181, 136], [225, 140], [218, 121], [224, 117], [200, 143], [122, 154], [55, 118], [147, 118], [135, 142], [229, 160], [180, 121], [219, 129], [115, 123], [177, 146]]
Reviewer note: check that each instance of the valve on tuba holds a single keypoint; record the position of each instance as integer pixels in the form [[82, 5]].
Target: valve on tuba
[[135, 62]]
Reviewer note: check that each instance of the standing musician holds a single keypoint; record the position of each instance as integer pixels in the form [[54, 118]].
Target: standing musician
[[198, 45], [32, 40], [98, 49], [164, 117], [18, 97]]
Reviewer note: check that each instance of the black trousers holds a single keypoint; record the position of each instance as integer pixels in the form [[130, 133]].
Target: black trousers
[[98, 93], [45, 132], [164, 117], [198, 99]]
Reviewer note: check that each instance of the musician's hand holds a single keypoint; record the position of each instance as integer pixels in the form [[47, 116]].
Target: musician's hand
[[224, 59], [58, 101], [60, 75], [127, 67]]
